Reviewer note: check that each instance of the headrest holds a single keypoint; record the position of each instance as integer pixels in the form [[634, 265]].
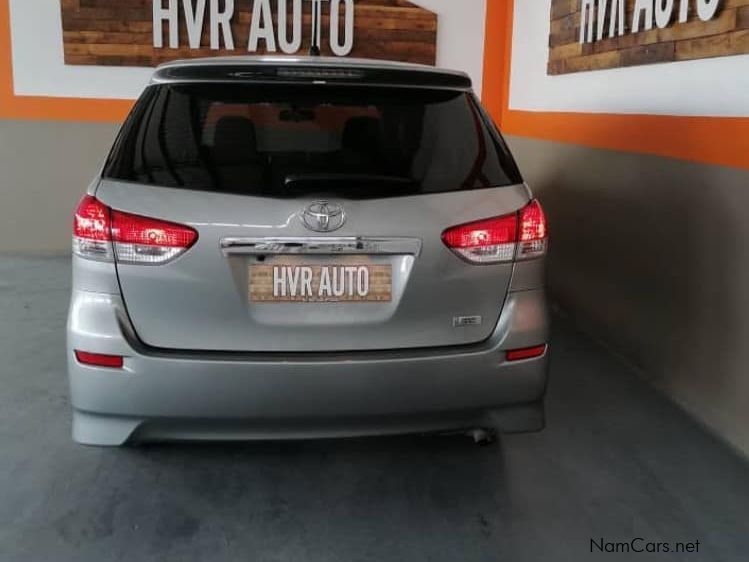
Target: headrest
[[235, 140]]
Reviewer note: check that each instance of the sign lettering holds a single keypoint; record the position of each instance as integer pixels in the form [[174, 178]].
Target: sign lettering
[[595, 13], [262, 33], [152, 32]]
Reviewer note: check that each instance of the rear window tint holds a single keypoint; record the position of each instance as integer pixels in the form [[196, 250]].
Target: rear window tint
[[294, 141]]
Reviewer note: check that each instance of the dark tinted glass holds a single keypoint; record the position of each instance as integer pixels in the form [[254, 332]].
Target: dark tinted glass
[[292, 141]]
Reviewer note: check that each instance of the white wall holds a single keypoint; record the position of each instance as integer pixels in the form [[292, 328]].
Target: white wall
[[39, 68], [712, 87]]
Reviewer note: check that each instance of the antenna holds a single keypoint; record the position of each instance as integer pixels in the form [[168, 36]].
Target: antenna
[[314, 50]]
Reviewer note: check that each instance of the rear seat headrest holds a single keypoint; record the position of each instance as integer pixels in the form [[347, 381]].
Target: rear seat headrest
[[235, 139]]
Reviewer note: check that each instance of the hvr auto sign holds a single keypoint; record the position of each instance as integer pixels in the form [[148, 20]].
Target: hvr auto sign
[[593, 25], [217, 17]]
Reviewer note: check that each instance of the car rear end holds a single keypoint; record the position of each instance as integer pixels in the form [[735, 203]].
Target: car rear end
[[306, 248]]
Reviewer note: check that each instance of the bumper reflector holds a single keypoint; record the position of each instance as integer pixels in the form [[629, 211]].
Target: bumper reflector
[[526, 353], [99, 360]]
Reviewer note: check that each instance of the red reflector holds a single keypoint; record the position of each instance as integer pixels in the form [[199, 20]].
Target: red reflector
[[99, 360], [91, 220], [490, 232], [526, 353], [134, 229]]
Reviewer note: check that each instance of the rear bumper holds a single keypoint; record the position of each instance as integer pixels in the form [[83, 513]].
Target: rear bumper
[[256, 396]]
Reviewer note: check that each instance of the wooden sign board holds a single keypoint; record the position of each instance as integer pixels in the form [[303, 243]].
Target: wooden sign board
[[141, 32], [599, 34]]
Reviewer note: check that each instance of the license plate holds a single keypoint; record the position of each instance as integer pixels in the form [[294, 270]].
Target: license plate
[[321, 283]]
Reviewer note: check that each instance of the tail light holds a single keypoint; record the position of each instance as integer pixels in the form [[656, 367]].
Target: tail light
[[92, 237], [144, 240], [533, 234], [103, 234], [519, 236]]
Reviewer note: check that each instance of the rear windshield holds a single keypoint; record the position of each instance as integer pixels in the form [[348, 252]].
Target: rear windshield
[[282, 141]]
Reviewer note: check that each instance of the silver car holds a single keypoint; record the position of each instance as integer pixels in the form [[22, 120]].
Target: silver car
[[285, 248]]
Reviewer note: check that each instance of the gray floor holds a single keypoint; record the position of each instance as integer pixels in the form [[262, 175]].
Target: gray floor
[[616, 462]]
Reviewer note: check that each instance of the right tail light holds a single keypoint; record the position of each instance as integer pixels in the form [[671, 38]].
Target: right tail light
[[103, 234], [520, 236], [533, 232]]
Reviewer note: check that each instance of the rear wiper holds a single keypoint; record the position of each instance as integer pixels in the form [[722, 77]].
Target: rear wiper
[[293, 180]]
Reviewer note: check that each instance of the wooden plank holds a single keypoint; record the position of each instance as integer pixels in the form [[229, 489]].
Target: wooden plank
[[556, 67], [566, 51], [600, 61], [648, 54], [735, 43], [105, 37], [109, 50], [626, 41], [560, 8], [701, 48], [722, 24], [742, 17], [564, 37], [740, 42]]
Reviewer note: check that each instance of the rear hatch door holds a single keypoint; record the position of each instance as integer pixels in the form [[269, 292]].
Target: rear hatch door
[[203, 300], [249, 167]]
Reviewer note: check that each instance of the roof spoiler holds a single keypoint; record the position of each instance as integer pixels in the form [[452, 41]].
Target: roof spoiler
[[311, 72]]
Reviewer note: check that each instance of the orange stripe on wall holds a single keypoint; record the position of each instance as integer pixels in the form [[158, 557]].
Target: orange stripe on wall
[[493, 92], [711, 140]]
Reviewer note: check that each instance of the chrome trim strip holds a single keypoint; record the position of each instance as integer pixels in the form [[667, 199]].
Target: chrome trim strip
[[319, 245]]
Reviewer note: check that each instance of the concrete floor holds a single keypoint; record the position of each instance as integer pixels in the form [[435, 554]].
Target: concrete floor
[[617, 461]]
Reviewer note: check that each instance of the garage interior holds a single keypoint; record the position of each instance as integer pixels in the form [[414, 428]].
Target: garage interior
[[617, 459], [648, 406]]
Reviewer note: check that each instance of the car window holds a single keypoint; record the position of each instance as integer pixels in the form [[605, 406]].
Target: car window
[[282, 141]]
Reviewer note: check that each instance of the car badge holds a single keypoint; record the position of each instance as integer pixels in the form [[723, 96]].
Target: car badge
[[323, 216]]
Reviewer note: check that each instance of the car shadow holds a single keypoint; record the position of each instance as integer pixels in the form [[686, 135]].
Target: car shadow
[[423, 494]]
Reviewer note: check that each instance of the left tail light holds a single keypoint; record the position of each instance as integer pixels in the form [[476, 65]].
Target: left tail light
[[520, 236], [104, 234]]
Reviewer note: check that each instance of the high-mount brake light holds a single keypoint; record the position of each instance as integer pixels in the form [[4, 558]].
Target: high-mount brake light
[[520, 236], [319, 73], [103, 234]]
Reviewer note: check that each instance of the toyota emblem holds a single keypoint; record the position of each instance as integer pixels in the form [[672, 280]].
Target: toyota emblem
[[323, 216]]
